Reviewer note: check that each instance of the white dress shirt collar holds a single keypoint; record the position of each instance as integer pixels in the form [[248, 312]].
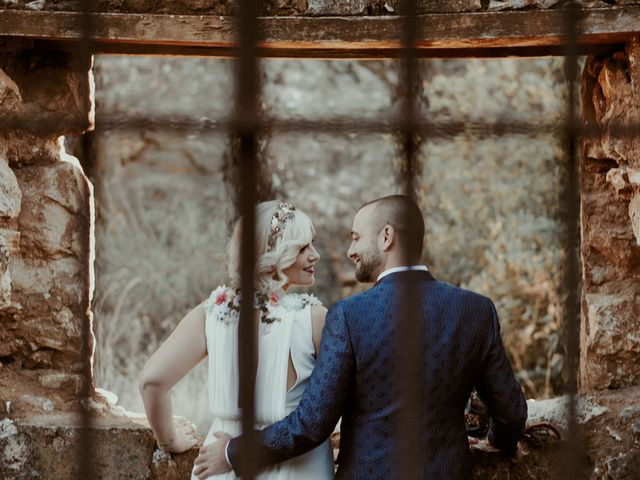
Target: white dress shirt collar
[[405, 268]]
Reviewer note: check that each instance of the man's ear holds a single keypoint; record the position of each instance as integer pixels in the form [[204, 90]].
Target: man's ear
[[388, 237]]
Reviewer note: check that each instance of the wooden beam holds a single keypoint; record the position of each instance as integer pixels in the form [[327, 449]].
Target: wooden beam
[[532, 32]]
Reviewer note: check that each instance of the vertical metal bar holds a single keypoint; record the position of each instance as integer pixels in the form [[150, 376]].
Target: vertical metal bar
[[246, 123], [570, 214], [411, 335], [85, 438]]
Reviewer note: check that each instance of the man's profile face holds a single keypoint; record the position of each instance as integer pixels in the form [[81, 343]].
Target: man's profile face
[[364, 251]]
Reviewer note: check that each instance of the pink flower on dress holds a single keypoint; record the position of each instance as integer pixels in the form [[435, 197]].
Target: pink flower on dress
[[221, 298], [274, 299]]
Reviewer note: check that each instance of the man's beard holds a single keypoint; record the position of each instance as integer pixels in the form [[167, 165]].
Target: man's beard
[[369, 261]]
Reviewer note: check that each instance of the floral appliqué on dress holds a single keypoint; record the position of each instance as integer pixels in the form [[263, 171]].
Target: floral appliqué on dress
[[224, 305]]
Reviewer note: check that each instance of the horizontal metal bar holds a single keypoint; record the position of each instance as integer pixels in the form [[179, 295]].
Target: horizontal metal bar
[[434, 129]]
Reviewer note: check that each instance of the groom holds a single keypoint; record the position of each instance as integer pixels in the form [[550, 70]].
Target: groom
[[358, 372]]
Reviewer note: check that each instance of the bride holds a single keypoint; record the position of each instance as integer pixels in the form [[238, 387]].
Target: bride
[[290, 327]]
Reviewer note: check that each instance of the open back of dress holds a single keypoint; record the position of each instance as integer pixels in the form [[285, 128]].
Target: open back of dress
[[290, 334]]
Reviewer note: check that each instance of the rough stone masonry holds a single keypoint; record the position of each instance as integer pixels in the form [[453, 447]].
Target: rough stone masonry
[[45, 283], [45, 206], [610, 337]]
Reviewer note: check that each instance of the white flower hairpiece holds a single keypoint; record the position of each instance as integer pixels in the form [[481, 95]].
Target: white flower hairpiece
[[284, 212]]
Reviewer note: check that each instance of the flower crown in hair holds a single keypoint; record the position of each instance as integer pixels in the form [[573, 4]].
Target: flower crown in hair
[[284, 212]]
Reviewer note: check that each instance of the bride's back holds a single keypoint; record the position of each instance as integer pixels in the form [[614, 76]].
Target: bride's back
[[286, 354]]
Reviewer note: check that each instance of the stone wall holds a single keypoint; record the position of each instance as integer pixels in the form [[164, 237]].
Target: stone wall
[[610, 342], [45, 220], [46, 285], [304, 7]]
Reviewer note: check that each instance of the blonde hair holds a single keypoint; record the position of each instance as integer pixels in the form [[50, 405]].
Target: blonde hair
[[296, 233]]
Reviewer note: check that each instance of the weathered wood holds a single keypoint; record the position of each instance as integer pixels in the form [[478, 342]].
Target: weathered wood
[[503, 33]]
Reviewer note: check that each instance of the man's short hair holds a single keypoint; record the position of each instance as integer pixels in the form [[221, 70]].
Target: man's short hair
[[404, 215]]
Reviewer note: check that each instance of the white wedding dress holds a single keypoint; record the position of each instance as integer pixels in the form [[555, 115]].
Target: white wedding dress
[[289, 334]]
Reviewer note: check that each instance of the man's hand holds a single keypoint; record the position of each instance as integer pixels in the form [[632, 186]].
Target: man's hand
[[212, 460], [520, 452]]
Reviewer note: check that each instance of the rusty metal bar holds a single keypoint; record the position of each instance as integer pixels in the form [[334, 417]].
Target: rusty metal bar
[[570, 214], [85, 438], [246, 123], [440, 129], [410, 327]]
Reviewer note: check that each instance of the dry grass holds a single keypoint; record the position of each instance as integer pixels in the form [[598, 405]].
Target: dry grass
[[151, 269]]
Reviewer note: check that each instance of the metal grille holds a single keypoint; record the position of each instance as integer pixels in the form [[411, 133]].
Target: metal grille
[[247, 123]]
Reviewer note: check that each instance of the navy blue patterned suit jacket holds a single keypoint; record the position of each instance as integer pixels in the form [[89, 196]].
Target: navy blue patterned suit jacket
[[358, 377]]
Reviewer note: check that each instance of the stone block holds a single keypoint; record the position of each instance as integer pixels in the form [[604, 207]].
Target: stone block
[[10, 98], [55, 92], [449, 6], [634, 214], [43, 327], [61, 381], [328, 7], [57, 280], [610, 341], [55, 211], [28, 149], [39, 403], [46, 446], [10, 239], [10, 195], [5, 276], [623, 466]]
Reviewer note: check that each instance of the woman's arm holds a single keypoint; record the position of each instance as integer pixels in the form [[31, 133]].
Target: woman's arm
[[318, 316], [183, 350]]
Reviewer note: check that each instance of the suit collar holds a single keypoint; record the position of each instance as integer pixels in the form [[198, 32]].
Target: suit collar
[[402, 268], [417, 275]]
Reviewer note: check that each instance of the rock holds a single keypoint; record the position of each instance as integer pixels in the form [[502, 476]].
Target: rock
[[327, 7], [634, 214], [611, 340], [10, 99], [55, 93], [13, 451], [61, 381], [619, 178], [554, 410], [287, 7], [635, 428], [389, 7], [5, 276], [610, 223], [55, 216], [10, 195], [62, 278], [624, 466], [11, 240], [498, 5], [47, 447], [36, 5], [43, 404], [28, 149], [45, 332], [163, 467], [629, 413], [615, 435], [447, 6]]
